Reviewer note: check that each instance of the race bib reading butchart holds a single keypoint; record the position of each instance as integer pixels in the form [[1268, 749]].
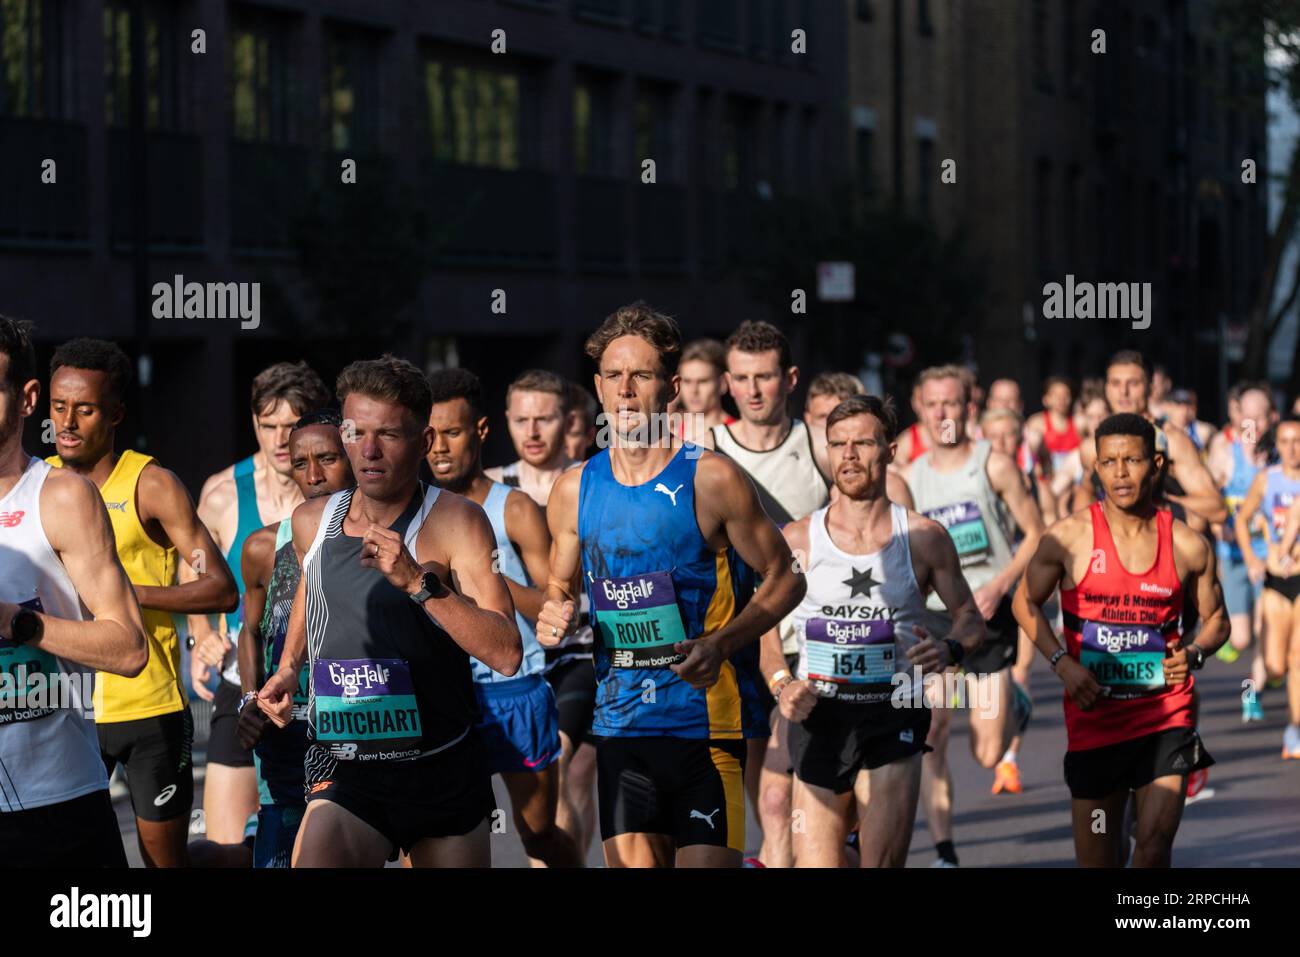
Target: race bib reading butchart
[[1126, 659], [25, 675], [965, 525], [639, 620], [369, 703], [850, 660]]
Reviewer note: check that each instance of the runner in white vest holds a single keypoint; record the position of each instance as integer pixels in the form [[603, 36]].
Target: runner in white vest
[[856, 729], [67, 610]]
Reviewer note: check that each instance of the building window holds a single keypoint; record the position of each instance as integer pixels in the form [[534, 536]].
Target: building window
[[866, 174], [924, 24], [478, 116], [260, 82], [162, 78], [653, 130], [1042, 72], [593, 126], [1073, 183], [31, 58], [927, 174], [351, 89]]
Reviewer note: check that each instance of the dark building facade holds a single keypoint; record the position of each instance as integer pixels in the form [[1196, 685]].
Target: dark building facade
[[500, 208]]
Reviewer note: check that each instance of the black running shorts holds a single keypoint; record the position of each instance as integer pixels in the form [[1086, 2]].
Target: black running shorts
[[156, 754], [82, 832], [574, 684], [834, 743], [223, 737], [1100, 772], [690, 789]]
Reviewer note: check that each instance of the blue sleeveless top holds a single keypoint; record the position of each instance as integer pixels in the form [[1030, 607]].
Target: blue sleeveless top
[[249, 521], [653, 580], [1234, 493], [1279, 493], [512, 567]]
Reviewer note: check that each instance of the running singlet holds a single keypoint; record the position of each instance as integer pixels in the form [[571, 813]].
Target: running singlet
[[280, 752], [789, 483], [249, 520], [387, 684], [1059, 444], [918, 442], [965, 504], [1234, 493], [1121, 626], [1279, 493], [512, 567], [653, 580], [47, 754], [854, 625], [158, 689]]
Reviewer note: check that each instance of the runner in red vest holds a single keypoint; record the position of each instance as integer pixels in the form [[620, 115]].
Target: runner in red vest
[[1125, 665]]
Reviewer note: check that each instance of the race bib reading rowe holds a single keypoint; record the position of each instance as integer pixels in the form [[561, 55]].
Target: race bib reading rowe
[[369, 703], [850, 660], [1126, 659], [638, 620], [965, 525]]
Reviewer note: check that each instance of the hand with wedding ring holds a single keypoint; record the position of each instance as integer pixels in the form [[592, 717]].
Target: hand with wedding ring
[[383, 548], [557, 619]]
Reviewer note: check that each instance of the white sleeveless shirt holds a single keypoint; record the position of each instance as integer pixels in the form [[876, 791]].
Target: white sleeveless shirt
[[47, 755], [790, 485], [854, 625]]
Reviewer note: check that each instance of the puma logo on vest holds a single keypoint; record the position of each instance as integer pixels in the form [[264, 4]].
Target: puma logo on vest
[[661, 487]]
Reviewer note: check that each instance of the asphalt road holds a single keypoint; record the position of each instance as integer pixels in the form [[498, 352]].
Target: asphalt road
[[1251, 820]]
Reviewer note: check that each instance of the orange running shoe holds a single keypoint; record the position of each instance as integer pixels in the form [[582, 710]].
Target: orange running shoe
[[1006, 778]]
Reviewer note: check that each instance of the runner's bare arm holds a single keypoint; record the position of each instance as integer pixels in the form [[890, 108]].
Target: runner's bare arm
[[78, 529], [1045, 572], [1004, 476], [771, 657], [256, 559], [1201, 496], [526, 529], [276, 697], [1198, 558], [213, 511], [1292, 530], [1246, 514], [940, 569], [1219, 460], [475, 610], [560, 610], [162, 497], [729, 512]]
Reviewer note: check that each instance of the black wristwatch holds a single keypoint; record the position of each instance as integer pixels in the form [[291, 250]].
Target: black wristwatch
[[1195, 657], [431, 586], [955, 650], [25, 626]]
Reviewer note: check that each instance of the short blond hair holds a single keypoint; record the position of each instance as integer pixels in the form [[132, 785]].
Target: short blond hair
[[960, 373]]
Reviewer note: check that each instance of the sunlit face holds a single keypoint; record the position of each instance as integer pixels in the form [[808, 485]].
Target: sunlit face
[[1058, 399], [16, 403], [1093, 414], [701, 387], [272, 427], [1254, 415], [943, 410], [1127, 389], [758, 385], [579, 436], [84, 413], [859, 454], [1127, 470], [632, 386], [319, 461], [388, 445], [816, 411], [457, 442], [536, 422], [1005, 394], [1288, 444], [1005, 435]]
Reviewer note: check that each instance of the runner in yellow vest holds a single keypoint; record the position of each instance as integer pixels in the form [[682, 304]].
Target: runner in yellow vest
[[142, 722]]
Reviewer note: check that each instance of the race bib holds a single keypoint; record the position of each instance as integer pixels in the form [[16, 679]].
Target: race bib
[[365, 708], [850, 660], [965, 525], [638, 620], [26, 674], [1281, 505], [1128, 660]]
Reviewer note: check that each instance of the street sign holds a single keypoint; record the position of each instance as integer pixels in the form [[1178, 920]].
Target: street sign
[[835, 282]]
